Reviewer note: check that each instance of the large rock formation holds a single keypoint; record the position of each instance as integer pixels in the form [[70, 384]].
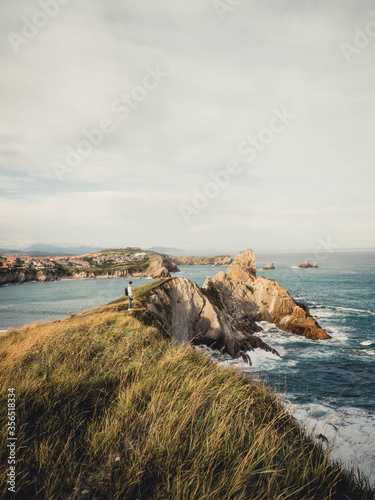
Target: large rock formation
[[244, 267], [188, 260], [246, 294], [160, 266], [223, 314], [194, 315]]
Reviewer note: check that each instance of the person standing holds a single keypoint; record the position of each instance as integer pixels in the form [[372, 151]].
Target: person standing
[[130, 294]]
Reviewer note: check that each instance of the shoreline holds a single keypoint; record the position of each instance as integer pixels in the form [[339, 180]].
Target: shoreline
[[70, 278]]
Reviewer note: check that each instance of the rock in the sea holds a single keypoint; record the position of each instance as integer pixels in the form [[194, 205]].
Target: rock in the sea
[[244, 267], [247, 294], [268, 266], [307, 264]]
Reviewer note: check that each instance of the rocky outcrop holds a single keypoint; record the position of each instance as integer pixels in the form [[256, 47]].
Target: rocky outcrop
[[276, 306], [244, 267], [307, 264], [160, 266], [193, 315], [246, 295], [162, 272], [268, 267], [188, 260]]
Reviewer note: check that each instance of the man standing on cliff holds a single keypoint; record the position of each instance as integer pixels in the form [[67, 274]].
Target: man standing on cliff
[[130, 294]]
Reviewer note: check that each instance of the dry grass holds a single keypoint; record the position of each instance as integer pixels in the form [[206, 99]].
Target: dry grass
[[108, 408]]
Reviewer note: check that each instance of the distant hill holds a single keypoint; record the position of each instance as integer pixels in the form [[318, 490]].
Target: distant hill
[[40, 249], [178, 252], [167, 250], [4, 251]]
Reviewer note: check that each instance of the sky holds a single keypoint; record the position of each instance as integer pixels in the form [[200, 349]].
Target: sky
[[208, 124]]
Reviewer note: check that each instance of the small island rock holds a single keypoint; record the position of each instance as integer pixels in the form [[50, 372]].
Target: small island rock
[[268, 266], [307, 264]]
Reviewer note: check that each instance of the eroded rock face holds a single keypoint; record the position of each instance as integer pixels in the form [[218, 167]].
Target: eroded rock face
[[244, 267], [161, 267], [162, 272], [246, 295], [188, 260], [276, 306], [194, 315], [223, 314], [23, 276]]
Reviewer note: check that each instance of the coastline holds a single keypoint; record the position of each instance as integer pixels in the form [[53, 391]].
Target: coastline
[[79, 341], [69, 278], [306, 359]]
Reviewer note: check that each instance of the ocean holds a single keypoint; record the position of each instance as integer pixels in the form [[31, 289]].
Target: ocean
[[327, 385]]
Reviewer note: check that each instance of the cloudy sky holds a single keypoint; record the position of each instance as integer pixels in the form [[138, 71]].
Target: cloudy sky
[[213, 124]]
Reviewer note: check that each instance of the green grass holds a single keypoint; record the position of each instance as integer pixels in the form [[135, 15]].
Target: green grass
[[108, 406]]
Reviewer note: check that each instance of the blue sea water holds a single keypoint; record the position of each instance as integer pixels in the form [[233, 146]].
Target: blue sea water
[[328, 385]]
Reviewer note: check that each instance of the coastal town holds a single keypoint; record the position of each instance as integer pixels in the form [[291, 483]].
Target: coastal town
[[56, 262]]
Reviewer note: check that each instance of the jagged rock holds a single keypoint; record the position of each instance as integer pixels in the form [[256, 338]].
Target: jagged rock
[[277, 306], [249, 296], [194, 315], [268, 267], [244, 267], [161, 273], [307, 264], [160, 267]]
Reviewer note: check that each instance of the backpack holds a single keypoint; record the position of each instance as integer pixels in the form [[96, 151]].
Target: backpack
[[126, 291]]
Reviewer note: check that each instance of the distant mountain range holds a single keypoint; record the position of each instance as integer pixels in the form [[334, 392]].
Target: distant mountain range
[[167, 250], [41, 249], [178, 252]]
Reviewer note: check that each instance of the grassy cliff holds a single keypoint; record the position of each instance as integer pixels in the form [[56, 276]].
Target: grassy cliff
[[107, 407]]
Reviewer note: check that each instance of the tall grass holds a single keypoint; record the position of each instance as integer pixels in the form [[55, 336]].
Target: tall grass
[[107, 407]]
